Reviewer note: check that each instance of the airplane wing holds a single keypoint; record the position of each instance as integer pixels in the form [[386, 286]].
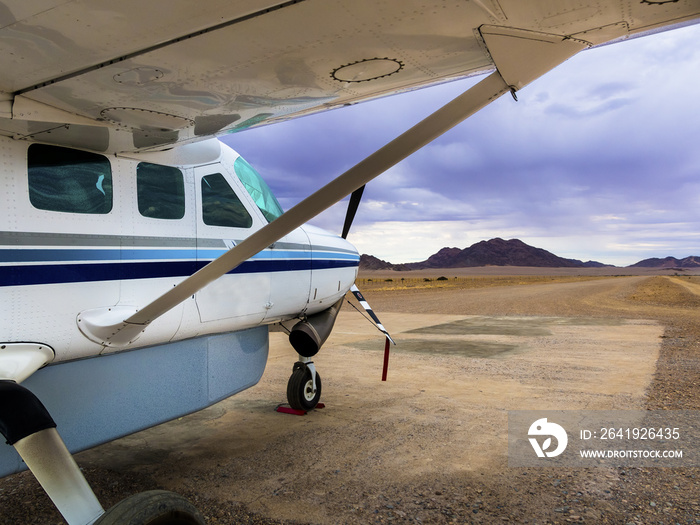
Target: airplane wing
[[131, 75]]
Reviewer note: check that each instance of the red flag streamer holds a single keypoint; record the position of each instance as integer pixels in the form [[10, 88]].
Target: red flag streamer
[[386, 360]]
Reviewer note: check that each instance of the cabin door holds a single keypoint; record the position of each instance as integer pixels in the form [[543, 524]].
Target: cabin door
[[225, 218]]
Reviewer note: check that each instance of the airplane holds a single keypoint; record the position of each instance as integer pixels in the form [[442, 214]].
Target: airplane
[[143, 261]]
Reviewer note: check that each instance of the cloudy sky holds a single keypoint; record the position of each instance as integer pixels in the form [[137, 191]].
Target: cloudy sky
[[599, 159]]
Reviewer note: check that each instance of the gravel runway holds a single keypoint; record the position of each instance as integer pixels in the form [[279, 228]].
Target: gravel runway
[[429, 445]]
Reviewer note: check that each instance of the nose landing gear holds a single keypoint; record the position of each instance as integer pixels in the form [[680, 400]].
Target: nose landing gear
[[307, 337], [304, 385]]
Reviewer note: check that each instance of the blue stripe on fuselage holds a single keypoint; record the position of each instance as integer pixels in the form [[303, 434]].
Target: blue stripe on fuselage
[[33, 274]]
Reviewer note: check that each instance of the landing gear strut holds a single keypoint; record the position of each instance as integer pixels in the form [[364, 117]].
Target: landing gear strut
[[304, 386], [28, 426]]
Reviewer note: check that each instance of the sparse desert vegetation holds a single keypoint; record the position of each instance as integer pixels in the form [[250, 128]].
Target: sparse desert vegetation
[[464, 282]]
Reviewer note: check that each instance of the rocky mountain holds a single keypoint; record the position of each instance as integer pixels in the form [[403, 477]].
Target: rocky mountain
[[370, 262], [495, 252], [692, 261]]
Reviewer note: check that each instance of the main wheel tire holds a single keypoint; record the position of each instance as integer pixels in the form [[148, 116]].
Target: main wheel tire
[[300, 394], [154, 507]]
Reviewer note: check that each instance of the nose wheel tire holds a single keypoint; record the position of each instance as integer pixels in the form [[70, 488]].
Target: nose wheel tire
[[154, 507], [300, 394]]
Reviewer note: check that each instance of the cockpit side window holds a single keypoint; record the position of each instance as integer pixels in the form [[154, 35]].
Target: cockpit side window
[[161, 191], [220, 204], [258, 189], [68, 180]]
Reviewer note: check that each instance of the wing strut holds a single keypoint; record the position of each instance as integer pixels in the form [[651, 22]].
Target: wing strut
[[120, 332], [115, 331]]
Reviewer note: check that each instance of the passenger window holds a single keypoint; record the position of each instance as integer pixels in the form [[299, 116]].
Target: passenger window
[[68, 180], [161, 191], [221, 206], [258, 189]]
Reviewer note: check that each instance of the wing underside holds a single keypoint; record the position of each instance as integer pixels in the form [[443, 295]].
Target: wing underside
[[131, 75]]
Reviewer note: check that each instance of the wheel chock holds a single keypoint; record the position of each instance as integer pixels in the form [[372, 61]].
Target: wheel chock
[[285, 409]]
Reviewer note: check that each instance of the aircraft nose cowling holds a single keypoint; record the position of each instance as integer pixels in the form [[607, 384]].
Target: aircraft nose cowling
[[323, 241], [334, 266]]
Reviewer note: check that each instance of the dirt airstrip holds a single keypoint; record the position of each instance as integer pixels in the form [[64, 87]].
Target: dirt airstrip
[[430, 444]]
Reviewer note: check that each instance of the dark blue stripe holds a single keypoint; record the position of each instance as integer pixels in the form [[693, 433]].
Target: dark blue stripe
[[124, 254], [76, 273]]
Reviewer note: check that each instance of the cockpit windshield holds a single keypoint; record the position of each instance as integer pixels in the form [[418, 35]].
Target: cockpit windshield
[[258, 189]]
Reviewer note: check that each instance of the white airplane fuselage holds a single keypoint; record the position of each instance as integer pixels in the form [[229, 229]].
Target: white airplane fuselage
[[56, 265], [141, 225]]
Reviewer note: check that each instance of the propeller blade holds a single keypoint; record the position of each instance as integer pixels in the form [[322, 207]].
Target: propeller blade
[[361, 299], [354, 203]]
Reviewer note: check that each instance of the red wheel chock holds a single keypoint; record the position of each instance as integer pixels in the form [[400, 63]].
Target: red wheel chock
[[285, 409]]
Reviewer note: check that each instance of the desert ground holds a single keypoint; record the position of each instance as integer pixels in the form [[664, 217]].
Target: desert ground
[[430, 444]]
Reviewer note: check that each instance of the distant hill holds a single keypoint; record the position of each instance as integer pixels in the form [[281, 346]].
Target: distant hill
[[495, 252], [370, 262], [692, 261]]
